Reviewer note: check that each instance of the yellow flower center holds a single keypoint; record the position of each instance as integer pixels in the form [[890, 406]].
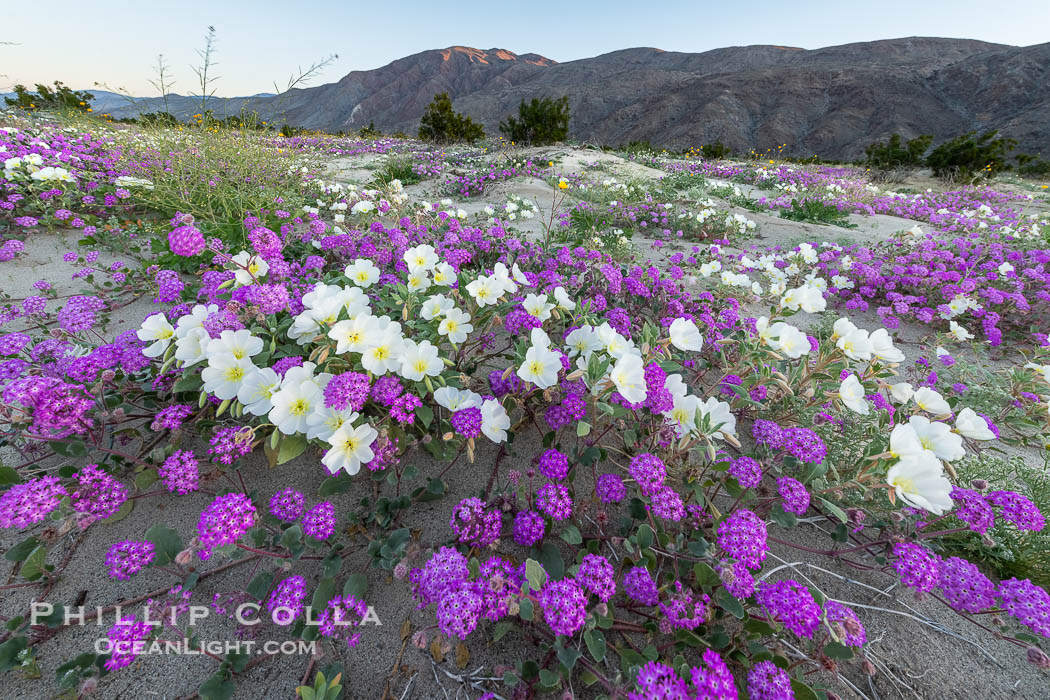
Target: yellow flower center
[[299, 407]]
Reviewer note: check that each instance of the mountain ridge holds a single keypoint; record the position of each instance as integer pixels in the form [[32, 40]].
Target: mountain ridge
[[830, 101]]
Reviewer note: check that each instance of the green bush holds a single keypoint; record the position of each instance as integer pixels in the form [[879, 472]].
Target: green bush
[[971, 156], [714, 151], [440, 123], [1032, 166], [540, 122], [370, 131], [60, 98], [896, 154]]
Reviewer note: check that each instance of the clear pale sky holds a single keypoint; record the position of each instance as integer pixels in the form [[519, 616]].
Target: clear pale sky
[[116, 41]]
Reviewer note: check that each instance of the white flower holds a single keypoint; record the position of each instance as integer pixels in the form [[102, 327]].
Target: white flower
[[194, 319], [248, 268], [541, 367], [628, 375], [959, 332], [241, 344], [350, 448], [901, 392], [615, 344], [930, 401], [444, 274], [720, 416], [494, 420], [456, 325], [192, 347], [562, 297], [938, 438], [683, 413], [882, 347], [351, 335], [158, 332], [685, 335], [855, 344], [325, 422], [969, 424], [485, 290], [851, 392], [842, 328], [421, 258], [257, 390], [583, 341], [904, 442], [418, 281], [362, 207], [501, 276], [420, 360], [920, 482], [1044, 370], [537, 306], [294, 402], [224, 375], [519, 276], [790, 340], [457, 399], [382, 351], [435, 306], [363, 273]]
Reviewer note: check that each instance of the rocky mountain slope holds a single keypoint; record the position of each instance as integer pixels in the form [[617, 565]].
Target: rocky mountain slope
[[830, 101]]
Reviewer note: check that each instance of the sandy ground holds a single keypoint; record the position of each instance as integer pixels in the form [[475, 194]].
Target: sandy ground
[[919, 649]]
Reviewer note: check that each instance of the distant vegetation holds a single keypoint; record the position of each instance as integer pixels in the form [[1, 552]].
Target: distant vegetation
[[539, 122], [441, 124], [58, 99]]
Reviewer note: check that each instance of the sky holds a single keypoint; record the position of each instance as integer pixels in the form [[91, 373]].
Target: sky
[[258, 43]]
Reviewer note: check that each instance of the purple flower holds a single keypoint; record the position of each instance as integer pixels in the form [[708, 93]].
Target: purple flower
[[791, 604], [319, 521], [742, 536], [286, 601], [180, 472], [125, 559], [287, 505], [529, 528], [598, 576], [554, 465], [794, 496], [224, 521], [767, 681], [564, 606], [474, 525], [30, 502], [610, 488]]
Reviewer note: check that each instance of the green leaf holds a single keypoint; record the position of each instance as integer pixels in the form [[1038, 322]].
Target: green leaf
[[583, 428], [568, 656], [9, 476], [802, 691], [145, 478], [356, 585], [705, 575], [500, 630], [571, 535], [834, 650], [69, 448], [595, 641], [324, 593], [260, 585], [730, 604], [21, 550], [551, 559], [425, 414], [217, 687], [291, 447], [124, 511], [167, 543], [33, 566], [292, 537], [835, 510], [9, 652], [335, 484], [535, 575], [781, 517], [525, 609], [645, 536]]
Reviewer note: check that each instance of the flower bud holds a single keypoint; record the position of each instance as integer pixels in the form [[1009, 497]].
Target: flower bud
[[1038, 658]]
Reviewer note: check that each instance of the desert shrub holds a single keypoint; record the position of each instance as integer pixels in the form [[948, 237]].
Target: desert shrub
[[442, 124], [894, 153], [971, 156], [714, 151], [1032, 166], [816, 212], [539, 122], [59, 98], [1007, 550], [398, 169], [894, 160], [370, 131]]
